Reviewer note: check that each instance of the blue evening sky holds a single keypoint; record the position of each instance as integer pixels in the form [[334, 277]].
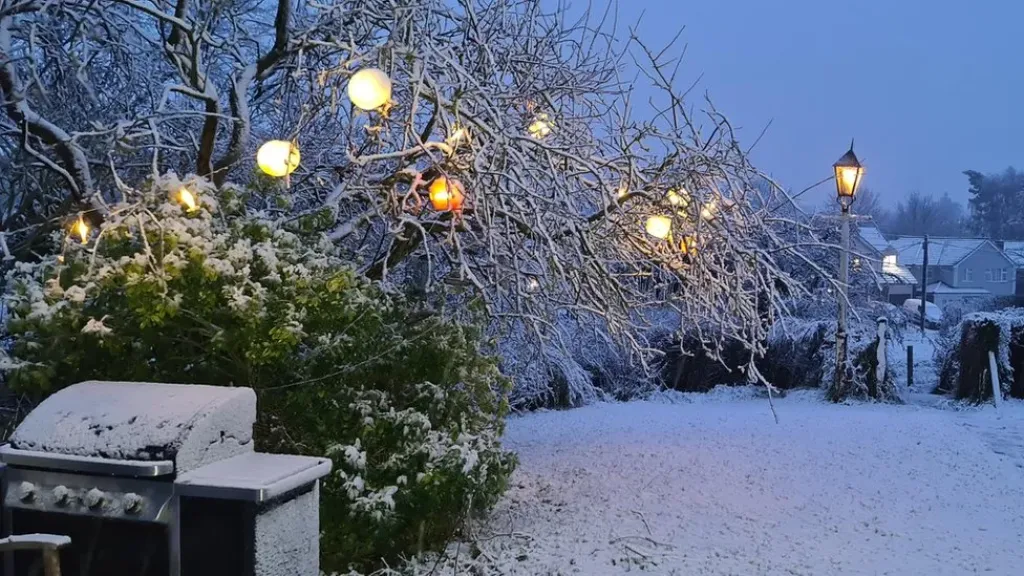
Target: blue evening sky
[[928, 88]]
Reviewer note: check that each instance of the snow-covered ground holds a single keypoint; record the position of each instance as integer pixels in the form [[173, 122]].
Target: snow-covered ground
[[926, 372], [711, 485]]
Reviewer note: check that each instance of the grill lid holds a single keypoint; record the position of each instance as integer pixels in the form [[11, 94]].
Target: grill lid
[[190, 425]]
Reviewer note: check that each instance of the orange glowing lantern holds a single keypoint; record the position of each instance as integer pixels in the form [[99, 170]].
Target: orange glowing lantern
[[446, 194]]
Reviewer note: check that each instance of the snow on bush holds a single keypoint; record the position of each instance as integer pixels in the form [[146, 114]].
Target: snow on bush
[[400, 399], [801, 350], [963, 355]]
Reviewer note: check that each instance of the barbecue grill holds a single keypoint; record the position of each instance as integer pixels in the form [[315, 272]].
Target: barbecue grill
[[158, 480]]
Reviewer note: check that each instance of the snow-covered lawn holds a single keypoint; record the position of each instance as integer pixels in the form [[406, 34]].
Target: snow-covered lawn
[[713, 486]]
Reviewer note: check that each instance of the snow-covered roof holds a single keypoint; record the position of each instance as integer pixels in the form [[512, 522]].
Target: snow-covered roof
[[943, 288], [941, 251], [873, 237], [896, 275], [1015, 251]]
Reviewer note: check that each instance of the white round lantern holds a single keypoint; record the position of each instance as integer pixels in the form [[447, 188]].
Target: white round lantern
[[369, 89], [278, 158]]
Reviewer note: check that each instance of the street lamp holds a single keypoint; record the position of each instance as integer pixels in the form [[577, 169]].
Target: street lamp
[[848, 174]]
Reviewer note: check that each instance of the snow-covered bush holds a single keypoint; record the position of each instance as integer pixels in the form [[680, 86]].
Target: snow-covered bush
[[801, 350], [964, 361], [401, 399], [797, 352]]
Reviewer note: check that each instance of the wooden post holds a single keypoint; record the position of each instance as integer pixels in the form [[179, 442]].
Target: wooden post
[[993, 368], [910, 366]]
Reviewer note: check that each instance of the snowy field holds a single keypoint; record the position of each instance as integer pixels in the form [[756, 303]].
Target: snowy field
[[711, 485]]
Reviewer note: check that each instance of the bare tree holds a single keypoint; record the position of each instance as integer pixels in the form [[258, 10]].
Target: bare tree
[[99, 94], [920, 214]]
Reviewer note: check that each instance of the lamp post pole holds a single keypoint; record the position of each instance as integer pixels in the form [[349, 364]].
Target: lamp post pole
[[844, 278], [848, 172]]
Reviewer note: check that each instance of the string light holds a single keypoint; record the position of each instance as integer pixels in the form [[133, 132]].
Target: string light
[[446, 194], [278, 158], [81, 229], [459, 134], [680, 199], [188, 200], [369, 89], [541, 126], [659, 226]]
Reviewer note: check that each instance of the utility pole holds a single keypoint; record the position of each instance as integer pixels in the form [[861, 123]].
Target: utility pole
[[924, 282]]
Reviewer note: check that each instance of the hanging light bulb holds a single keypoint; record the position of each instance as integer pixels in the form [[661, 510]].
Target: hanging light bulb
[[446, 194], [278, 158], [659, 226], [369, 89], [541, 126], [81, 229], [188, 200]]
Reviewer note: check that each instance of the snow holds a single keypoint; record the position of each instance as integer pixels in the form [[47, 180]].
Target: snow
[[941, 251], [873, 237], [191, 424], [287, 537], [710, 485]]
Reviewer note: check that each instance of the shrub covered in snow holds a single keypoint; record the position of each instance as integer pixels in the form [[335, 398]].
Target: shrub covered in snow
[[402, 400], [964, 361]]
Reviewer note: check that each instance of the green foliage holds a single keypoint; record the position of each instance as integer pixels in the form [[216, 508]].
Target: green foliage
[[402, 400], [996, 201]]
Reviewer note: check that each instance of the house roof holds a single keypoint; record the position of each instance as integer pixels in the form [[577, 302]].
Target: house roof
[[1015, 251], [941, 251], [874, 238], [896, 275], [943, 288]]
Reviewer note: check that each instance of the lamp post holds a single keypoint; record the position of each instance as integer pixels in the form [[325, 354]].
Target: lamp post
[[848, 173]]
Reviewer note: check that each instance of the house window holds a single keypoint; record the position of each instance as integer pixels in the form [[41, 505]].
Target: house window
[[1002, 275], [968, 275], [989, 276], [889, 263]]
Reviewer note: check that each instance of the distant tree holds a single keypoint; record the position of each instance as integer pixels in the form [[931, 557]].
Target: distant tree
[[919, 214], [997, 204], [867, 203]]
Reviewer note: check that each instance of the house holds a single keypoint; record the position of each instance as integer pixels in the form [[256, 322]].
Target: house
[[959, 268], [1015, 250], [895, 282]]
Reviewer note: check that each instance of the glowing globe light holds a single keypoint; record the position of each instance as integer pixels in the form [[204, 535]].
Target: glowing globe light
[[446, 194], [369, 89], [278, 158], [659, 226], [541, 127], [680, 199]]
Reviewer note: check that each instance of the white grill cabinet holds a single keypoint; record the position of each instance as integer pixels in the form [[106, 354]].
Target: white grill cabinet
[[158, 480]]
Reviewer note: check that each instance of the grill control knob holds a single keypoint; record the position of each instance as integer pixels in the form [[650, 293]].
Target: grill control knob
[[132, 503], [27, 492], [94, 498], [61, 495]]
